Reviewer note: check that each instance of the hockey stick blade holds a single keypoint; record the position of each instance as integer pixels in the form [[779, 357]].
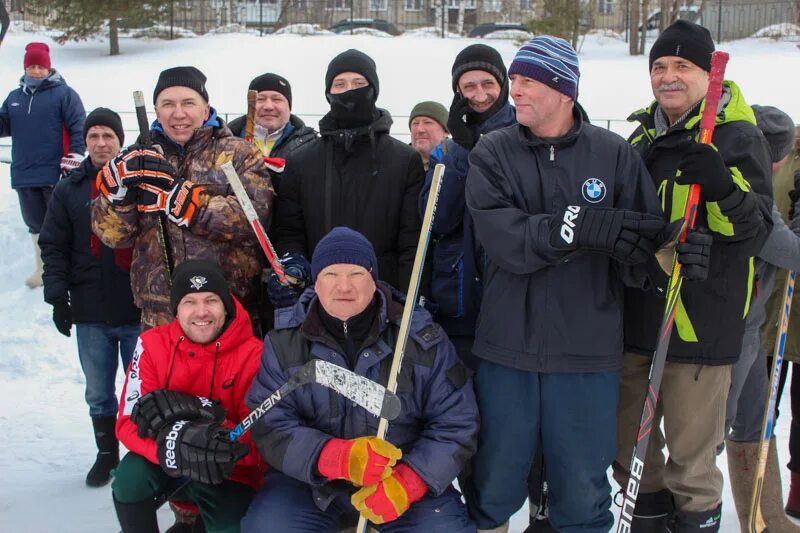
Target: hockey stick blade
[[370, 395]]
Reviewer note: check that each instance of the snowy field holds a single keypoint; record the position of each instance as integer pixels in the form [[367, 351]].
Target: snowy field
[[47, 445]]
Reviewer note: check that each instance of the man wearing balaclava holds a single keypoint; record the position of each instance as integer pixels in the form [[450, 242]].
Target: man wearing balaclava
[[354, 175]]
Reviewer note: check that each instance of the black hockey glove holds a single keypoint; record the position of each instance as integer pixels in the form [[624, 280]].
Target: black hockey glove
[[62, 317], [627, 236], [458, 124], [201, 452], [703, 165], [695, 254], [161, 407], [297, 266], [134, 166]]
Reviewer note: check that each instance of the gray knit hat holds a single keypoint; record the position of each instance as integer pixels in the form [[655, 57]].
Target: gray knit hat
[[431, 109], [778, 128]]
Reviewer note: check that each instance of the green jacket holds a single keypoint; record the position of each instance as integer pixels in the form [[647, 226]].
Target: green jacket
[[709, 321]]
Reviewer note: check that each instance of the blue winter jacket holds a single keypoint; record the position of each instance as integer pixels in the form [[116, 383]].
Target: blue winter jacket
[[457, 264], [436, 430], [44, 124]]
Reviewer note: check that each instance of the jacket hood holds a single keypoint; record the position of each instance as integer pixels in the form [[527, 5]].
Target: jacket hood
[[238, 331], [84, 170], [54, 79]]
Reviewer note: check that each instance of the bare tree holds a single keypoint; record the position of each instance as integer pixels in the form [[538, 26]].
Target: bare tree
[[633, 28], [461, 11]]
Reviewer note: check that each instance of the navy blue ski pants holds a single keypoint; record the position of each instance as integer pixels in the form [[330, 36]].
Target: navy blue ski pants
[[286, 505], [576, 417]]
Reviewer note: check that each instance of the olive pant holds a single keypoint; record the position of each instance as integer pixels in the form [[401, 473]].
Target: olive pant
[[692, 404]]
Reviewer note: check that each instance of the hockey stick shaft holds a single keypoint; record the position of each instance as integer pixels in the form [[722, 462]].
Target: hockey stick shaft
[[719, 61], [146, 139], [255, 223], [250, 121], [756, 519], [411, 302]]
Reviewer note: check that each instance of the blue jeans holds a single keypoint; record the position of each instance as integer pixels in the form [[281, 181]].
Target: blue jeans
[[286, 505], [573, 416], [98, 348]]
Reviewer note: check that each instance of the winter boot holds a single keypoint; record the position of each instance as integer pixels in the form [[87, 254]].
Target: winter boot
[[35, 279], [793, 503], [742, 463], [503, 528], [772, 496], [107, 451], [699, 522], [139, 517], [653, 512]]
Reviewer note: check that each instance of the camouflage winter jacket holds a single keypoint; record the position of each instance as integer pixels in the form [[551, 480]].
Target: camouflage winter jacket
[[219, 232]]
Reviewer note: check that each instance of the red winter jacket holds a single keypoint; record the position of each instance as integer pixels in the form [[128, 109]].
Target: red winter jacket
[[165, 359]]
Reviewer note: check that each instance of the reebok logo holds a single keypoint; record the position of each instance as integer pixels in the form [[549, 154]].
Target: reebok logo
[[568, 227], [170, 444], [205, 402]]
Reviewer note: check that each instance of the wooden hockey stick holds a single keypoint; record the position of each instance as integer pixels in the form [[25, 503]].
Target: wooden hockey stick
[[250, 124]]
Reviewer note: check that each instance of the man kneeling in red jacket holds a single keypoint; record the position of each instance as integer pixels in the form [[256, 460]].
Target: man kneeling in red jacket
[[184, 390]]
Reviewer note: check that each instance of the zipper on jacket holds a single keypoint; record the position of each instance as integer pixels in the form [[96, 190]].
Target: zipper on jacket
[[344, 325], [30, 102], [552, 152]]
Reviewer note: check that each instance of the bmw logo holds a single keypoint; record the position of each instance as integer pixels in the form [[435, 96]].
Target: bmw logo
[[593, 190]]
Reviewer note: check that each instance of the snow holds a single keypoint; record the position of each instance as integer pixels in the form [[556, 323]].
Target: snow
[[48, 446]]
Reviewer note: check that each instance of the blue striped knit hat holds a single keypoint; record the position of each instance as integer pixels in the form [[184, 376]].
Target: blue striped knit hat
[[549, 60]]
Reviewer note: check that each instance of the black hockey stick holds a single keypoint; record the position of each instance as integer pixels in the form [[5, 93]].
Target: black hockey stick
[[718, 62]]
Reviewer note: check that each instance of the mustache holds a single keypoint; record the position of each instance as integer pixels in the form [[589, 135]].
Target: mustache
[[674, 86]]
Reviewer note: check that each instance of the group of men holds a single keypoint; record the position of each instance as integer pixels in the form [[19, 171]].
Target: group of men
[[544, 286]]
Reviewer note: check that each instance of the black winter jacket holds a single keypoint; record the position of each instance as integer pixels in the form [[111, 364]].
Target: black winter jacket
[[709, 320], [98, 290], [543, 311], [360, 178]]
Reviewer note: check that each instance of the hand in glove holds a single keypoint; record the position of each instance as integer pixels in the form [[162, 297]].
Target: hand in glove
[[298, 267], [184, 202], [133, 166], [703, 165], [161, 407], [62, 317], [201, 452], [70, 162], [458, 124], [361, 461], [627, 236], [695, 254], [390, 498], [794, 196]]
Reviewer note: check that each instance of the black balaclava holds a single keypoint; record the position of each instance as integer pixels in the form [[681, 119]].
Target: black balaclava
[[354, 108]]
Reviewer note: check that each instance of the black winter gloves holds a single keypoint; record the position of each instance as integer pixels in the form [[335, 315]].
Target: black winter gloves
[[458, 124], [703, 165], [201, 452], [161, 407], [627, 236], [62, 317], [695, 254], [297, 266]]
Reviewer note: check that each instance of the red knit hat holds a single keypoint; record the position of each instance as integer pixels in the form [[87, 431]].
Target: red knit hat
[[37, 54]]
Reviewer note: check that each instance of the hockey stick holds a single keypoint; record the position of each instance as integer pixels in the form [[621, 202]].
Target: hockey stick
[[372, 396], [756, 520], [411, 302], [250, 122], [718, 62], [5, 21], [261, 235], [146, 139]]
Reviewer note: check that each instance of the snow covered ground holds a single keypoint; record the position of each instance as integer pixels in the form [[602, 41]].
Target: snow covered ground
[[47, 444]]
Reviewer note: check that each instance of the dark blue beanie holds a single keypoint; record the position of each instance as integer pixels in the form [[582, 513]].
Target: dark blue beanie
[[344, 246]]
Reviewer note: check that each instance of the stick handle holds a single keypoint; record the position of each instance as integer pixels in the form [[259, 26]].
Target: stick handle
[[141, 118], [250, 122]]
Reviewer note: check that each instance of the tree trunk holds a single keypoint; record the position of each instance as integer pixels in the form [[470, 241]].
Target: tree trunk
[[633, 45], [666, 15], [113, 31], [643, 37], [461, 11]]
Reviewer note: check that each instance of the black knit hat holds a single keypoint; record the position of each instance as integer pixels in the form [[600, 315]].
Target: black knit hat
[[103, 116], [181, 77], [687, 40], [200, 275], [479, 57], [352, 61], [778, 128], [272, 82]]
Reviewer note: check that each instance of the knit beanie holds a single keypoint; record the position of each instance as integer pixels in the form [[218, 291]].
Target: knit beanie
[[272, 82], [687, 40], [434, 110], [344, 246], [479, 57], [778, 128], [37, 54], [181, 77], [200, 275], [551, 61], [352, 61], [103, 116]]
